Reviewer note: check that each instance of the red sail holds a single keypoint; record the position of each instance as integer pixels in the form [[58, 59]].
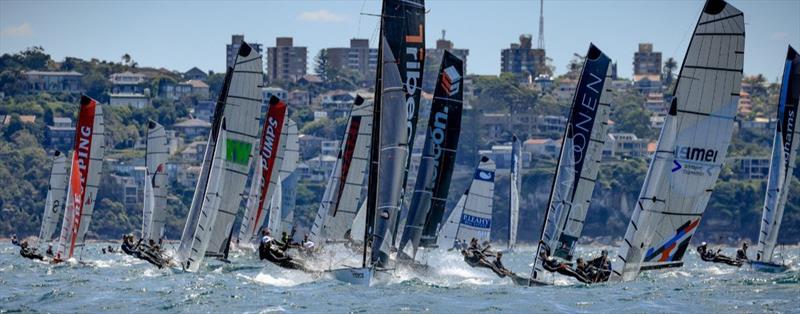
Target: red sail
[[80, 165], [270, 142]]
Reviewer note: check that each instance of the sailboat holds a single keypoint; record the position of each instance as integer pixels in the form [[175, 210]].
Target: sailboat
[[87, 164], [337, 211], [515, 187], [402, 36], [781, 167], [220, 185], [54, 204], [438, 157], [265, 178], [155, 185], [472, 216], [578, 162], [692, 147], [397, 90]]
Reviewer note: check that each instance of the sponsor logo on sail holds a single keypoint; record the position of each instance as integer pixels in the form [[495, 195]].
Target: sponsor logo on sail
[[451, 80], [415, 53], [437, 136], [477, 222], [484, 175], [788, 137]]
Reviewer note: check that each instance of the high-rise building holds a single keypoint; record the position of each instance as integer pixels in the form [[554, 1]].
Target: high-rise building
[[359, 57], [434, 56], [646, 62], [522, 59], [233, 49], [285, 62]]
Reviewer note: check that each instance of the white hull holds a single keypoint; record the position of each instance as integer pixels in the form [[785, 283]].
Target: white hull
[[354, 276]]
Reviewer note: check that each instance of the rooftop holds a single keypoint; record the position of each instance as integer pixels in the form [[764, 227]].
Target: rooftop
[[192, 123], [52, 73]]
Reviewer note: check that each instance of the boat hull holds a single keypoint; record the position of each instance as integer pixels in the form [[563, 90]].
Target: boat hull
[[354, 276], [768, 267]]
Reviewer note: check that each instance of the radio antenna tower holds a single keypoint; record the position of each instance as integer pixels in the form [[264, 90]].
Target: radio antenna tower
[[540, 43]]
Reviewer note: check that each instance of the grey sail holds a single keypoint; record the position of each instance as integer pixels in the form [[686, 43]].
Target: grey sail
[[290, 151], [337, 211], [784, 153], [692, 147], [54, 205], [393, 152], [242, 109], [155, 192], [514, 190]]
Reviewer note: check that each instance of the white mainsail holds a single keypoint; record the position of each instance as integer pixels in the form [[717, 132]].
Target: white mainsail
[[514, 189], [84, 180], [447, 235], [337, 211], [358, 228], [692, 146], [155, 192], [290, 151], [476, 220], [242, 109], [784, 153], [274, 222], [192, 250], [54, 204]]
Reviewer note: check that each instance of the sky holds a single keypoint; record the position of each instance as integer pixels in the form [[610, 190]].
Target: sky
[[178, 35]]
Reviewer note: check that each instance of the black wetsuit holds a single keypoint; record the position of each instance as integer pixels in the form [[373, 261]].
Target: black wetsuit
[[599, 269], [30, 253], [553, 265]]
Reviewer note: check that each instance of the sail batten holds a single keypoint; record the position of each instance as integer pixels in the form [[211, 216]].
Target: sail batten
[[692, 146]]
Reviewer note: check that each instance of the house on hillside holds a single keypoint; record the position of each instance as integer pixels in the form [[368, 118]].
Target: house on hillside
[[195, 74], [61, 134], [128, 82], [134, 100], [192, 128], [53, 81]]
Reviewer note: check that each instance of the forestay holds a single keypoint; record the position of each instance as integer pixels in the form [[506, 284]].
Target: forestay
[[579, 160], [87, 163], [54, 203], [692, 146], [784, 152]]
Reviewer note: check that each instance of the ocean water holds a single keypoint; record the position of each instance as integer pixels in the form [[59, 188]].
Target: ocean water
[[116, 283]]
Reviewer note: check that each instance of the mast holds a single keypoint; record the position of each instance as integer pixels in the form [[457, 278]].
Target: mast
[[692, 147], [784, 152], [374, 154]]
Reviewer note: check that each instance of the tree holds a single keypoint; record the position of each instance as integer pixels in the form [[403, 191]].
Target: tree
[[321, 66], [126, 58], [669, 70]]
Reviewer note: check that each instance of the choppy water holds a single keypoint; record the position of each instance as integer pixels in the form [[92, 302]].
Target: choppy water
[[117, 283]]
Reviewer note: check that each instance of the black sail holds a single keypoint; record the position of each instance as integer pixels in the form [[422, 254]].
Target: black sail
[[438, 159]]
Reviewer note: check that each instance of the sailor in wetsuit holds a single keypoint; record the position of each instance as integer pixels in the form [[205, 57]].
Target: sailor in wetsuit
[[741, 254], [49, 250], [127, 245], [29, 252], [550, 264], [498, 266], [709, 255], [599, 268], [14, 240]]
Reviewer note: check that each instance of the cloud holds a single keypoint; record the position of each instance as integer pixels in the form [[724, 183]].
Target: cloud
[[323, 16], [779, 35], [22, 30]]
